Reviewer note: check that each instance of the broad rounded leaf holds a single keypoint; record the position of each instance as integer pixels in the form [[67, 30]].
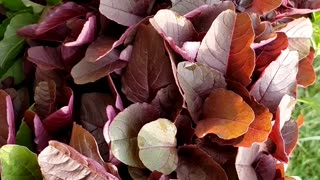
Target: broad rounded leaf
[[124, 129], [149, 68], [299, 32], [244, 161], [157, 146], [184, 6], [260, 128], [278, 79], [18, 162], [60, 161], [226, 46], [225, 114], [290, 135], [197, 164], [125, 12], [197, 81]]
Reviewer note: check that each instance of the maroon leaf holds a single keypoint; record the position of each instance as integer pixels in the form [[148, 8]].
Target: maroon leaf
[[45, 98], [296, 7], [125, 12], [57, 34], [269, 52], [283, 115], [168, 101], [87, 34], [185, 131], [231, 53], [263, 6], [60, 161], [59, 16], [306, 74], [7, 128], [149, 68], [278, 79], [93, 117], [45, 57], [290, 135], [196, 164], [85, 71], [118, 101], [265, 166], [176, 30], [61, 118], [197, 81]]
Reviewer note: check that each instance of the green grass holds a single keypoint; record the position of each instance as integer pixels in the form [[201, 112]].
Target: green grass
[[305, 160]]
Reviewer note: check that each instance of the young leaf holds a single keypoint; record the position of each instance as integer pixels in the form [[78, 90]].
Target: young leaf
[[7, 128], [182, 7], [11, 44], [125, 12], [229, 52], [196, 164], [59, 16], [13, 5], [176, 30], [60, 161], [278, 79], [124, 130], [45, 98], [157, 146], [197, 81], [225, 114], [149, 68], [18, 162]]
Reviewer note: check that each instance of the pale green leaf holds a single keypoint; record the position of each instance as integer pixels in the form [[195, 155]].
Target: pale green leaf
[[157, 146], [18, 162], [24, 136], [15, 71]]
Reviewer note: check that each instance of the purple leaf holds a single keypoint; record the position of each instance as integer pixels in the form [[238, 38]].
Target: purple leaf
[[118, 100], [149, 68], [45, 57], [59, 16], [61, 118], [87, 34], [278, 79], [57, 34], [176, 30], [7, 128], [125, 12]]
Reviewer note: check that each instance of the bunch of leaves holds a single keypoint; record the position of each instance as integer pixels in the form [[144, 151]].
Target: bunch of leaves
[[163, 89]]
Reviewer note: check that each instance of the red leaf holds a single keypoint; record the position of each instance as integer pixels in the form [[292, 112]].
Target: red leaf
[[265, 166], [45, 98], [149, 68], [290, 135], [196, 164], [278, 79], [57, 34], [46, 57], [306, 75], [230, 53], [283, 115], [185, 131], [7, 128]]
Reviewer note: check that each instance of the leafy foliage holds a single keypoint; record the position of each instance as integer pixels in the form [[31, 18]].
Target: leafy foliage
[[163, 89]]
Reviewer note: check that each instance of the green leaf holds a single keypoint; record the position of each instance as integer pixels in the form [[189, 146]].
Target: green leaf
[[15, 71], [37, 8], [24, 136], [53, 2], [14, 5], [11, 45], [3, 27], [157, 146], [18, 162]]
